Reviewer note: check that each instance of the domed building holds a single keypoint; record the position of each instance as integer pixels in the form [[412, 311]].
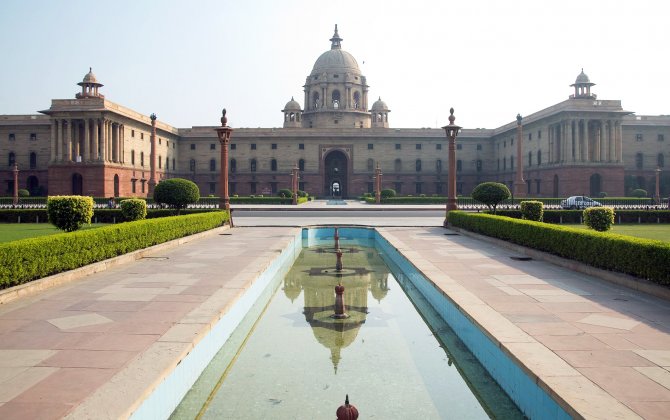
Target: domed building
[[92, 146]]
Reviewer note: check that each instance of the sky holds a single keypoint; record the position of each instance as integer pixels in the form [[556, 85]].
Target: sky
[[186, 60]]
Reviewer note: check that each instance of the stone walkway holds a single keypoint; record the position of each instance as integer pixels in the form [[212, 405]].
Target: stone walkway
[[92, 348]]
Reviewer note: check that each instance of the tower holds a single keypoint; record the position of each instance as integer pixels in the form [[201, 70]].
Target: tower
[[582, 87], [292, 114], [380, 114], [89, 86]]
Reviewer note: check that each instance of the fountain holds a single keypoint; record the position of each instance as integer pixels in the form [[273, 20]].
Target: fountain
[[338, 264], [339, 303], [347, 411]]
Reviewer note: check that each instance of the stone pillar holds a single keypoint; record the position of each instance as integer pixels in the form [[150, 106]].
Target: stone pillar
[[550, 142], [619, 142], [519, 183], [54, 139], [87, 141], [578, 140], [68, 141], [76, 140], [96, 147], [115, 141], [596, 152], [122, 138], [152, 157], [110, 133], [60, 152], [611, 155], [103, 139]]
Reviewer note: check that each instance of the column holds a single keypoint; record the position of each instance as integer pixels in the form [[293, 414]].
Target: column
[[619, 142], [579, 140], [54, 140], [103, 137], [611, 156], [68, 141], [76, 140], [122, 145], [603, 140], [115, 141], [573, 140], [596, 152], [550, 140], [95, 155], [87, 140], [60, 153], [109, 141]]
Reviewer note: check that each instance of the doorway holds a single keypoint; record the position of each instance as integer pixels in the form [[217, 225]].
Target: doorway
[[336, 169], [77, 184]]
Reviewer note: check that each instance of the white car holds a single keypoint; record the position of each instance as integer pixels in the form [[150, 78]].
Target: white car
[[579, 202]]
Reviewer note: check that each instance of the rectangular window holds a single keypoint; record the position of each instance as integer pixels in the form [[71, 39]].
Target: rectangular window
[[530, 137], [398, 187], [252, 188], [12, 136], [479, 147], [133, 185], [212, 187], [233, 146], [418, 188], [132, 134], [660, 137], [160, 141], [438, 146], [438, 188], [638, 137], [539, 134], [397, 146], [459, 146], [537, 186], [212, 146], [33, 136], [274, 146], [371, 146], [459, 165], [253, 146], [418, 146], [301, 186], [192, 146], [301, 146], [142, 138]]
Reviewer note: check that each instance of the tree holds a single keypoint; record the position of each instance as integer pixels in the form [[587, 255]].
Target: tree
[[69, 213], [176, 192], [491, 194]]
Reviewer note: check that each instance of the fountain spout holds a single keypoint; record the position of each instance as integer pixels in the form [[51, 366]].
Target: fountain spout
[[337, 239], [339, 303], [338, 264]]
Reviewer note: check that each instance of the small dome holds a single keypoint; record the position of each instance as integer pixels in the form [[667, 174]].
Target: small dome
[[582, 78], [380, 105], [292, 105], [90, 79]]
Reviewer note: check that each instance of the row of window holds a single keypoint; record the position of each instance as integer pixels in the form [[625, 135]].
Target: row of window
[[12, 136], [639, 137], [33, 159], [639, 160]]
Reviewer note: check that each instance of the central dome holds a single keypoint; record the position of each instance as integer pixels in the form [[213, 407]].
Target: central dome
[[336, 60]]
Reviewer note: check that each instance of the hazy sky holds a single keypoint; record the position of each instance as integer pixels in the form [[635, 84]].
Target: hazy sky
[[185, 60]]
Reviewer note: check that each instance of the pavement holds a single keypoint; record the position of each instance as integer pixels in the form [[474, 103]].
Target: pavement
[[96, 346]]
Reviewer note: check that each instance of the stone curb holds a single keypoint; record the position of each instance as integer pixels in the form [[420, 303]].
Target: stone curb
[[35, 286]]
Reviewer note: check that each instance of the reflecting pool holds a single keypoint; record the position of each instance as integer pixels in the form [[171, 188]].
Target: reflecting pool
[[299, 362]]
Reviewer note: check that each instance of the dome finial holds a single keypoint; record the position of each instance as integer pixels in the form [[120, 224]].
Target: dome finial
[[335, 41]]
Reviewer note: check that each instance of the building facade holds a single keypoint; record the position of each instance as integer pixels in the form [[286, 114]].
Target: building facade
[[92, 146]]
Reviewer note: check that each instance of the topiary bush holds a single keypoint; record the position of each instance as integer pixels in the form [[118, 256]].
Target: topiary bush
[[133, 209], [491, 194], [639, 193], [302, 193], [285, 193], [388, 193], [176, 192], [532, 210], [23, 193], [599, 218], [69, 213]]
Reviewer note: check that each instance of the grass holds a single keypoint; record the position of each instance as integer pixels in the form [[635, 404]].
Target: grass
[[15, 231], [660, 232]]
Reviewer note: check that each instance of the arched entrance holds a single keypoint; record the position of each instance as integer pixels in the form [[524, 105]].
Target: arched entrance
[[116, 185], [336, 169], [555, 186], [77, 184], [595, 183], [33, 185]]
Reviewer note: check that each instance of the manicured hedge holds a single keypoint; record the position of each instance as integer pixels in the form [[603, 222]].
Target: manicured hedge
[[99, 215], [29, 259], [575, 216], [643, 258]]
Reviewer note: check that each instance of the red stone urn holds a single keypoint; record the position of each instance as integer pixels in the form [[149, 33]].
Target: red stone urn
[[347, 411]]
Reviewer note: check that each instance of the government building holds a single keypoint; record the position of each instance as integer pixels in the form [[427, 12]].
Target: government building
[[90, 145]]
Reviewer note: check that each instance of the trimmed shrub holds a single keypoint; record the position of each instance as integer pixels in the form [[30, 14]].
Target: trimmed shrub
[[387, 193], [69, 213], [23, 193], [133, 209], [176, 192], [599, 218], [285, 193], [491, 194], [532, 210], [643, 258], [34, 258], [302, 193], [639, 193]]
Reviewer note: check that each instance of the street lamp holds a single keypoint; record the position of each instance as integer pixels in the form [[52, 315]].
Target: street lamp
[[294, 183], [224, 133], [378, 184], [452, 131], [15, 171]]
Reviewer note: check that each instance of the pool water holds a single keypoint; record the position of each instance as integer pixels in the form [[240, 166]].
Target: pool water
[[299, 362]]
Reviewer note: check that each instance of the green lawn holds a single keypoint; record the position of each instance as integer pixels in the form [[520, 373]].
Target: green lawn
[[15, 231], [660, 232]]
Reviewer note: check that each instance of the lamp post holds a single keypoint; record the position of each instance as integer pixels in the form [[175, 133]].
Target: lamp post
[[15, 171], [378, 184], [519, 183], [452, 131], [658, 186], [152, 157], [224, 133], [294, 183]]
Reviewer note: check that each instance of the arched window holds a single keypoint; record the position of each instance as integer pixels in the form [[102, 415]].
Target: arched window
[[12, 158], [438, 165], [315, 100], [336, 98], [141, 158], [417, 165], [357, 100], [660, 160], [191, 165], [132, 157], [233, 166], [301, 165], [273, 165], [291, 116], [639, 160], [371, 165], [252, 165], [212, 165], [397, 165], [33, 160], [459, 165], [539, 157]]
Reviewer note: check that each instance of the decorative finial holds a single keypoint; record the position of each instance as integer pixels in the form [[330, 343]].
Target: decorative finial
[[346, 400], [90, 69], [451, 116], [335, 40], [518, 119], [153, 117], [224, 120]]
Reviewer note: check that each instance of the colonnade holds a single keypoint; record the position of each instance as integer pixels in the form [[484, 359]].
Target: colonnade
[[87, 140], [585, 140]]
